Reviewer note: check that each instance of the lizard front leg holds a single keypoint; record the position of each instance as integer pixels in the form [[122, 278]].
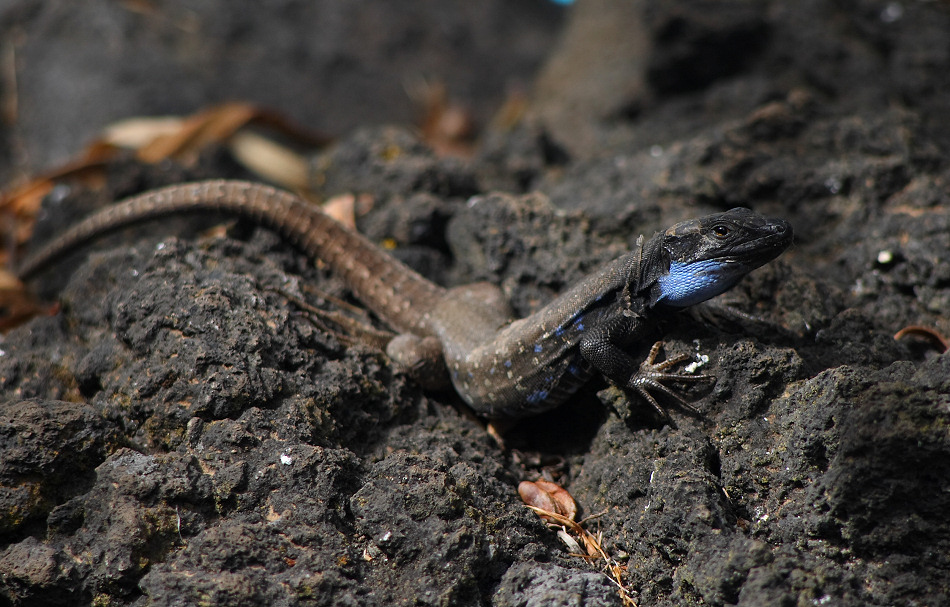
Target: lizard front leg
[[602, 347]]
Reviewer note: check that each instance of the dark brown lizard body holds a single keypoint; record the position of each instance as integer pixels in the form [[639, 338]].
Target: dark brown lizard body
[[501, 368]]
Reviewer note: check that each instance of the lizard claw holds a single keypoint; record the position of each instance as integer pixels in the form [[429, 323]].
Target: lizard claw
[[651, 375]]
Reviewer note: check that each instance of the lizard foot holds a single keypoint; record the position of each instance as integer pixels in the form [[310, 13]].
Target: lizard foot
[[347, 330], [651, 375], [420, 357]]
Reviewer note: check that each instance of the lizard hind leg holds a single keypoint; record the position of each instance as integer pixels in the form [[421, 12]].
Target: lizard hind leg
[[487, 298], [421, 358]]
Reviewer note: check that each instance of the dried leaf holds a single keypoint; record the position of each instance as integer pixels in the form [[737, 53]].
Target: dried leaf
[[18, 305], [548, 496], [134, 133], [447, 127], [572, 545], [932, 336], [534, 496], [182, 138], [343, 209], [210, 126], [269, 160]]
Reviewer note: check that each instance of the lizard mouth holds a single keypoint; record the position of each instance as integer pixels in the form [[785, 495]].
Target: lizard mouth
[[757, 251]]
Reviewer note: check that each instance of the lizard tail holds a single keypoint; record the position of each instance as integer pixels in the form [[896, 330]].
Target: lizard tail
[[394, 291]]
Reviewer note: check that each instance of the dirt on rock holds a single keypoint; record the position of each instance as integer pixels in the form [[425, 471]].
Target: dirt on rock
[[181, 432]]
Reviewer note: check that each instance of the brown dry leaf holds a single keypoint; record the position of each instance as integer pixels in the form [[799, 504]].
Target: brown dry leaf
[[156, 139], [270, 160], [212, 125], [17, 305], [21, 203], [8, 280], [566, 505], [535, 497], [138, 132], [343, 209], [24, 201], [548, 496], [511, 112], [447, 126], [932, 336]]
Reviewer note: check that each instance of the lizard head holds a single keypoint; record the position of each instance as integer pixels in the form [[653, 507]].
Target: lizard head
[[710, 254]]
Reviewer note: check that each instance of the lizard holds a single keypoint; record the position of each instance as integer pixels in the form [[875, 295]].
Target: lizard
[[502, 368]]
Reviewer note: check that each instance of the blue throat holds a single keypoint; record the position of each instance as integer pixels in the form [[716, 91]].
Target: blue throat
[[688, 284]]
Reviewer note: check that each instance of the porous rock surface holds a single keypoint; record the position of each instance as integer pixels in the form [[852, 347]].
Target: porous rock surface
[[181, 433]]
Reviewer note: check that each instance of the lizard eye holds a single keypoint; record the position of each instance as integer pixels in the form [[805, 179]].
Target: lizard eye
[[721, 230]]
